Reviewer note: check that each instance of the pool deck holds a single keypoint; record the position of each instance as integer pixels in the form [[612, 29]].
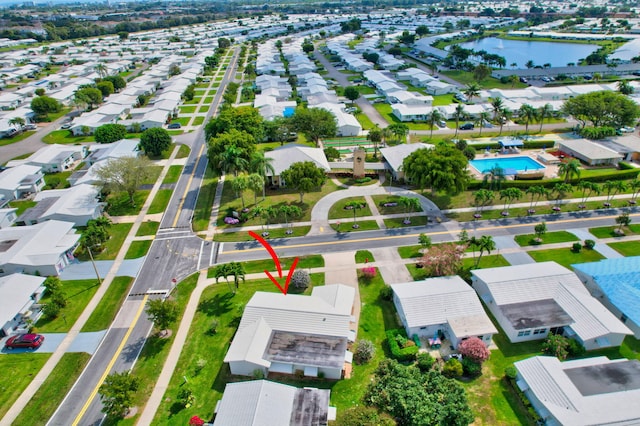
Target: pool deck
[[550, 170]]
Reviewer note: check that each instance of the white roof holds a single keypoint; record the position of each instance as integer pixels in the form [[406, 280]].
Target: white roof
[[49, 154], [547, 378], [395, 155], [283, 157], [589, 149], [444, 300], [549, 280], [121, 148], [40, 244], [79, 200], [11, 178], [15, 292]]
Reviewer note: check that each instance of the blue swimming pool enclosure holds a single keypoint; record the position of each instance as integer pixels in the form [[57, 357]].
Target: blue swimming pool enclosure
[[510, 165]]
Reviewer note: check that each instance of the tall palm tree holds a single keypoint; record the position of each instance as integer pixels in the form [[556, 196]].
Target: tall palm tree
[[497, 104], [386, 134], [509, 195], [260, 164], [255, 182], [239, 184], [612, 187], [505, 115], [528, 114], [434, 118], [231, 160], [399, 130], [354, 206], [560, 190], [569, 170], [536, 192], [482, 197], [101, 69], [458, 114], [483, 118], [288, 211], [375, 136], [635, 189], [471, 91], [543, 112], [410, 204], [494, 177], [485, 243]]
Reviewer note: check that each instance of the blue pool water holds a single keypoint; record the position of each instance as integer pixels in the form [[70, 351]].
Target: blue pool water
[[288, 111], [509, 164]]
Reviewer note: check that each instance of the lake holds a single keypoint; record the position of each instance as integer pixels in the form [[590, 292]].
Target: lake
[[558, 54]]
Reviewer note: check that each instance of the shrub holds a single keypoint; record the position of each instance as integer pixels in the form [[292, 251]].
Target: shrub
[[511, 372], [186, 397], [597, 132], [364, 351], [474, 349], [576, 247], [363, 179], [452, 368], [575, 348], [471, 368], [590, 244], [300, 279], [556, 345], [424, 361], [399, 352], [386, 293], [369, 272]]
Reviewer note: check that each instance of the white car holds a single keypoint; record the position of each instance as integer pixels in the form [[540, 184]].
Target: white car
[[627, 129]]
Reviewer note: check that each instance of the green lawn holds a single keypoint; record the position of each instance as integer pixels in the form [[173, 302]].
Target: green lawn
[[202, 213], [17, 372], [51, 393], [608, 231], [626, 248], [565, 256], [21, 205], [208, 100], [298, 231], [106, 311], [57, 180], [439, 100], [548, 238], [204, 108], [365, 121], [257, 266], [138, 249], [466, 77], [339, 210], [382, 199], [189, 109], [16, 138], [198, 121], [173, 174], [118, 232], [363, 256], [118, 204], [486, 261], [148, 228], [362, 225], [78, 293], [66, 137], [399, 222], [183, 152], [160, 201], [182, 120], [407, 252]]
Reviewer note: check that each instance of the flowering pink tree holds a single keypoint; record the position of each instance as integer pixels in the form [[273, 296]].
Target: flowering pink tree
[[475, 349], [196, 421], [443, 259]]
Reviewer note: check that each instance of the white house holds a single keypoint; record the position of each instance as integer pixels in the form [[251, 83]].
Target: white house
[[19, 295], [437, 87], [54, 158], [20, 180], [442, 306], [532, 300], [411, 112], [261, 402], [8, 217], [44, 249], [283, 157], [78, 204], [121, 148], [395, 155], [589, 152], [295, 333], [589, 391]]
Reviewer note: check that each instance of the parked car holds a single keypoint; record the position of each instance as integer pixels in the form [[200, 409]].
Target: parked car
[[461, 97], [442, 123], [523, 80], [467, 126], [30, 126], [487, 124], [30, 341], [174, 126], [626, 129], [65, 126], [545, 79], [454, 355]]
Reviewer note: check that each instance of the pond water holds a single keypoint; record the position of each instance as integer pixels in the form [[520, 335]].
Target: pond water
[[558, 54]]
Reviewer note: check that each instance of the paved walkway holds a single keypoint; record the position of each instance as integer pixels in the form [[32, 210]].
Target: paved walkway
[[601, 248], [85, 271], [511, 251]]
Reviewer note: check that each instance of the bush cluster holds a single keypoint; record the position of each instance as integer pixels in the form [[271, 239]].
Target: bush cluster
[[401, 348]]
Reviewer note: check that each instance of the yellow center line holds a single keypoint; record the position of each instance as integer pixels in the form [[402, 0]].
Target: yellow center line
[[111, 363], [394, 237], [186, 190]]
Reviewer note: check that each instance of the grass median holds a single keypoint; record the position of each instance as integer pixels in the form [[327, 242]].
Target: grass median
[[104, 314]]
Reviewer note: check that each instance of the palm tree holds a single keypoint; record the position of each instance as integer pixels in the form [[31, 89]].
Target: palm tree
[[497, 104], [101, 69], [255, 182], [597, 77], [529, 64], [560, 190], [513, 79], [375, 136], [434, 118], [624, 87], [543, 112], [514, 65], [17, 122], [494, 177], [287, 211], [528, 114], [410, 204], [458, 114], [536, 192], [612, 187], [268, 214], [399, 130], [635, 189], [505, 115], [239, 184], [471, 91], [260, 164], [485, 243], [386, 134], [483, 117], [509, 195], [354, 205], [231, 160], [227, 269], [587, 189], [482, 197], [569, 169]]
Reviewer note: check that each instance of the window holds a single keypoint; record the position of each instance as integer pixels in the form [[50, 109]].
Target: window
[[624, 318], [524, 333], [540, 331]]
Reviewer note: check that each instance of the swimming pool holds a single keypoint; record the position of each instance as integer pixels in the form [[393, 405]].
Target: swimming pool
[[510, 165]]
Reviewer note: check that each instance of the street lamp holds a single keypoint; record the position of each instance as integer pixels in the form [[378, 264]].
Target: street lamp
[[93, 262]]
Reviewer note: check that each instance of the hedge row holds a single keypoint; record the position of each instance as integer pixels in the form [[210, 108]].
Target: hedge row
[[550, 183], [537, 144], [401, 354]]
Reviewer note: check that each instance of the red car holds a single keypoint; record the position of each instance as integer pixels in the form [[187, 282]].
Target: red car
[[24, 341]]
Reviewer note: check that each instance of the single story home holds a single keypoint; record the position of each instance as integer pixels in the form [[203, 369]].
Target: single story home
[[437, 87], [21, 180], [405, 112], [19, 296], [121, 148], [252, 403], [627, 145], [283, 157], [589, 152], [54, 158], [443, 306], [589, 391], [532, 300], [43, 249], [78, 204], [8, 217], [292, 333], [395, 155], [615, 282]]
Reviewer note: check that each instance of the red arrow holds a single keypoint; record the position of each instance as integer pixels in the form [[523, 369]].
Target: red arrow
[[276, 260]]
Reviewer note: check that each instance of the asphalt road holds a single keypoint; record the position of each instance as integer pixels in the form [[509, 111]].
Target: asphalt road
[[175, 253]]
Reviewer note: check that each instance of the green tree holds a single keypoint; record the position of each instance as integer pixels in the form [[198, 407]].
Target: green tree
[[108, 133], [624, 87], [425, 241], [17, 122], [89, 96], [536, 192], [95, 234], [43, 105], [163, 313], [496, 104], [494, 177], [239, 184], [354, 206], [351, 93], [622, 220], [375, 136], [434, 118], [234, 269], [443, 168], [261, 165], [472, 90], [458, 114], [101, 69], [605, 108], [117, 392], [304, 177], [315, 123], [588, 188], [540, 229], [155, 140], [560, 191], [569, 169], [543, 112], [483, 118], [482, 198], [556, 345], [242, 119], [125, 174], [289, 211], [106, 88], [118, 82], [40, 91], [613, 187], [481, 72], [399, 130], [485, 243], [528, 114], [255, 182], [231, 152], [409, 204], [509, 195], [332, 153], [422, 30]]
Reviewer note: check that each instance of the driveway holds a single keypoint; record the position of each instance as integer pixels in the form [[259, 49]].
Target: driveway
[[85, 271], [84, 342]]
